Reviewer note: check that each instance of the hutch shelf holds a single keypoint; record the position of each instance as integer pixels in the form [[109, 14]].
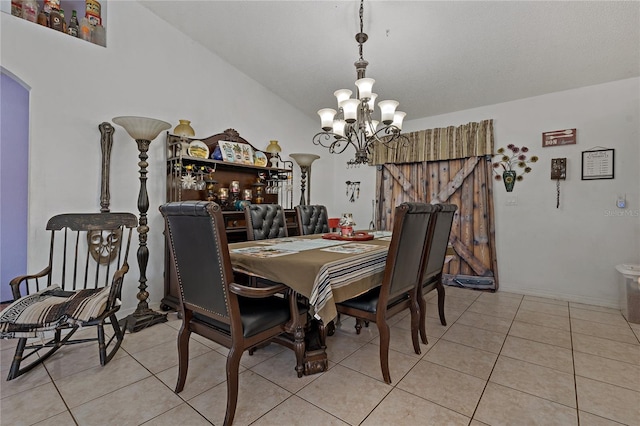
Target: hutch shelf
[[200, 177]]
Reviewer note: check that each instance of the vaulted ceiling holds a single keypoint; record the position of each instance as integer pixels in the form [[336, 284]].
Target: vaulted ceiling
[[433, 57]]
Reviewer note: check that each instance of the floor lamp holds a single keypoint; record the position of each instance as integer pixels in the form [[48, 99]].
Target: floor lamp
[[304, 161], [143, 130]]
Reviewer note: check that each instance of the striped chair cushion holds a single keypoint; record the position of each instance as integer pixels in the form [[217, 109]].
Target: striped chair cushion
[[33, 315]]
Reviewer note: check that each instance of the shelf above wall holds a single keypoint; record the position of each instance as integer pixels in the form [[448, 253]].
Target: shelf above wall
[[68, 6]]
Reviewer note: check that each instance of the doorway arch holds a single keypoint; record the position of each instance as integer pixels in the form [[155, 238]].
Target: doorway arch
[[14, 179]]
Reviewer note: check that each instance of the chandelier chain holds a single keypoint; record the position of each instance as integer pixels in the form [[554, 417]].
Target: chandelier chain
[[360, 42]]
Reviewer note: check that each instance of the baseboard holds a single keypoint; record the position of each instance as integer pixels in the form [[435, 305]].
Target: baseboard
[[608, 303]]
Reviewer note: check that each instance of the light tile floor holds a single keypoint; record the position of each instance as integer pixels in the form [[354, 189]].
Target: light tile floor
[[504, 359]]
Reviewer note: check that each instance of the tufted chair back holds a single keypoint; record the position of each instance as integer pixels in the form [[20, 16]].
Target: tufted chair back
[[265, 221], [312, 219], [194, 231], [432, 275], [438, 250]]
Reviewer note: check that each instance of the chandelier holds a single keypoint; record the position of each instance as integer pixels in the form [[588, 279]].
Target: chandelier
[[352, 124]]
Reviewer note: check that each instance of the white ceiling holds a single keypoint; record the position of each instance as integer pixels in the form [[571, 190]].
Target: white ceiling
[[433, 57]]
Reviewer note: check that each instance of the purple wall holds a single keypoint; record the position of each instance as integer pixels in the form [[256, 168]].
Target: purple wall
[[14, 179]]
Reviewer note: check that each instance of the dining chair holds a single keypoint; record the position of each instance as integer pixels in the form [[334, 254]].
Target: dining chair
[[265, 221], [312, 219], [79, 288], [412, 232], [432, 276], [213, 306]]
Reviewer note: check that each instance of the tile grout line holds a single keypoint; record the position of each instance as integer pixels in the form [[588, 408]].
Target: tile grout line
[[475, 410]]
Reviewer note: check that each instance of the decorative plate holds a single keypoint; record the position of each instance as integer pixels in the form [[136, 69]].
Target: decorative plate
[[198, 149], [260, 159]]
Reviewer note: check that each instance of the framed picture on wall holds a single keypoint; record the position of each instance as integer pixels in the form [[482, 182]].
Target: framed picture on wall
[[598, 164]]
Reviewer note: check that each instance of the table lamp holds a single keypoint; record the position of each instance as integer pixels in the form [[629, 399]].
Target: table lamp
[[274, 150]]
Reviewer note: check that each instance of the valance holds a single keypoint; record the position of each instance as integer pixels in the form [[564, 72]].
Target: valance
[[447, 143]]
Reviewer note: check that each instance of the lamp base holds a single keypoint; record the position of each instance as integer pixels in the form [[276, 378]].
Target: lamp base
[[140, 320]]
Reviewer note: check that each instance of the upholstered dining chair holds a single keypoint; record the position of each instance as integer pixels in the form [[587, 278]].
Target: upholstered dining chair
[[312, 219], [412, 231], [265, 221], [213, 306], [79, 288], [432, 276]]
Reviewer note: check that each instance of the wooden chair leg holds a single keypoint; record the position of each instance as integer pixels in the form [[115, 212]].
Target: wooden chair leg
[[233, 367], [422, 307], [54, 344], [440, 289], [385, 337], [358, 325], [415, 323], [322, 330], [14, 371], [107, 354], [183, 355]]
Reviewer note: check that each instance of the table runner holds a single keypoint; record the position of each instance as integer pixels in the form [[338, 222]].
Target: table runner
[[323, 276]]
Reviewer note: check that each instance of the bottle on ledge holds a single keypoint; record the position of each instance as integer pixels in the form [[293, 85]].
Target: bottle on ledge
[[30, 10], [43, 18], [85, 29], [55, 20], [72, 28], [64, 21]]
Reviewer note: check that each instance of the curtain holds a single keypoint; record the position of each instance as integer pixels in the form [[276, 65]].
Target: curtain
[[468, 140], [461, 175]]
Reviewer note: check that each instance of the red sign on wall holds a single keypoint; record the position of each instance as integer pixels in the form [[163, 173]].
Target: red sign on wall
[[559, 137]]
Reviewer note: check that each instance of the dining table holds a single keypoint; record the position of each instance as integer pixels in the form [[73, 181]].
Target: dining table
[[323, 270]]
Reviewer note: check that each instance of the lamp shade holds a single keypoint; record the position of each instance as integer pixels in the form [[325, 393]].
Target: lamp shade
[[304, 160], [273, 147], [398, 117], [372, 101], [326, 118], [350, 110], [142, 127], [364, 87], [338, 127], [342, 95], [387, 109]]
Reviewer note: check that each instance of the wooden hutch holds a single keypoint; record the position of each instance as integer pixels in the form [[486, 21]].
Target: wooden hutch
[[192, 174]]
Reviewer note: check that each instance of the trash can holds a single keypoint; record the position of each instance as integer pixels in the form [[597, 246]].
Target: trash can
[[630, 292]]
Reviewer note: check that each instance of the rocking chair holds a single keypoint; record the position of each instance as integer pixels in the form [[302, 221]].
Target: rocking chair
[[80, 287]]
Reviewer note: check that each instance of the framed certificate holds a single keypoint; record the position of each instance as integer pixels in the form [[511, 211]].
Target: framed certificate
[[598, 164]]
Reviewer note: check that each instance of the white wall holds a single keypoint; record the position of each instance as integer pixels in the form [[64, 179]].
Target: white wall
[[570, 252], [149, 69]]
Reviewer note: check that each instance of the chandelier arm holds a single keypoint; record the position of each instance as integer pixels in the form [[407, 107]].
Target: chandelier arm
[[391, 138], [337, 146]]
